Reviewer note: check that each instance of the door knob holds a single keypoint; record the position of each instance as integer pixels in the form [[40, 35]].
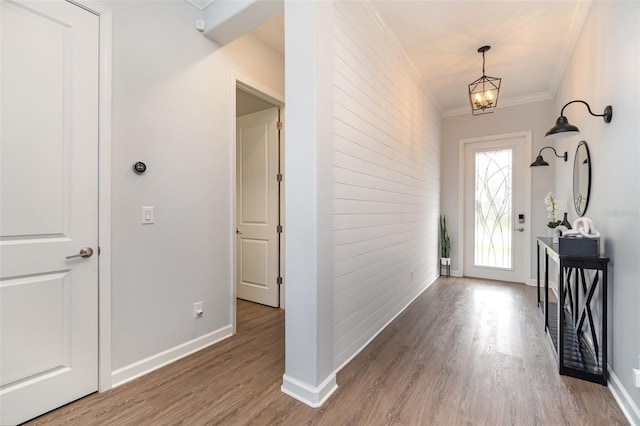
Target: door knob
[[520, 229], [84, 252], [238, 231]]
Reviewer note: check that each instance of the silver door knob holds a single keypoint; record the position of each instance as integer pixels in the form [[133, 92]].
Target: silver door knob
[[84, 252], [520, 229]]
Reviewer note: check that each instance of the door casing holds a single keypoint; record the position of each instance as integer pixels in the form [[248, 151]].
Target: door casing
[[261, 237], [527, 135], [101, 218], [258, 90], [104, 190]]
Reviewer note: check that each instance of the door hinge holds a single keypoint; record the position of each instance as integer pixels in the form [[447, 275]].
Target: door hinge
[[279, 177], [279, 281], [279, 229], [279, 125]]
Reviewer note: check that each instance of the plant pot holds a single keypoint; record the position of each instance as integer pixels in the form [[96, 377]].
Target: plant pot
[[445, 261]]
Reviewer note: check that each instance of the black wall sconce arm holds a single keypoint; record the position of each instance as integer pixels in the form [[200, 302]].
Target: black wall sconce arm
[[563, 128], [540, 161]]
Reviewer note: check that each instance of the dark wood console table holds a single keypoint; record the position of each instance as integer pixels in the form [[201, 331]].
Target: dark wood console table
[[577, 322]]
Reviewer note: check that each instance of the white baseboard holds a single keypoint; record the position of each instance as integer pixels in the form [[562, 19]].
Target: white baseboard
[[147, 365], [385, 326], [628, 407], [313, 396], [316, 396]]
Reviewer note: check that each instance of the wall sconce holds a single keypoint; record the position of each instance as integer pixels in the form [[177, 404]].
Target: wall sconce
[[564, 129], [540, 161]]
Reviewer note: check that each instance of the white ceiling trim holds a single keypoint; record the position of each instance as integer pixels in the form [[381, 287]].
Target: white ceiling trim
[[390, 35], [503, 103], [200, 4], [577, 23]]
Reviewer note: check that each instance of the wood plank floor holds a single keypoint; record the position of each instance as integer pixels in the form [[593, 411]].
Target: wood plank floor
[[466, 352]]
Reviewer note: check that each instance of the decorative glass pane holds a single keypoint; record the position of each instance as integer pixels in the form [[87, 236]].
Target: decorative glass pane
[[493, 201]]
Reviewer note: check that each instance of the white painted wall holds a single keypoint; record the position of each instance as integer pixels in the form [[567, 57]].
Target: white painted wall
[[537, 117], [386, 180], [605, 70], [363, 168], [172, 109], [309, 374]]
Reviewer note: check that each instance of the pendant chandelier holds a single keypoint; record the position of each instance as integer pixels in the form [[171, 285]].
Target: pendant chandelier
[[483, 93]]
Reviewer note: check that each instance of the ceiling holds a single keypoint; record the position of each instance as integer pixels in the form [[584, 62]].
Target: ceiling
[[531, 42], [272, 33]]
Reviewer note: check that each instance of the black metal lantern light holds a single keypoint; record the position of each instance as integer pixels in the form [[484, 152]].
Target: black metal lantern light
[[483, 93]]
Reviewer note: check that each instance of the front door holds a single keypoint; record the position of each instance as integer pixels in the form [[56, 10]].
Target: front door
[[48, 207], [495, 212], [257, 207]]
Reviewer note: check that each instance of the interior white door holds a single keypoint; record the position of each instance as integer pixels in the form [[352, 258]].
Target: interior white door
[[48, 207], [257, 207], [495, 208]]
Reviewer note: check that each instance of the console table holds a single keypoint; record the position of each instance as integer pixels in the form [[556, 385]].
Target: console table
[[577, 322]]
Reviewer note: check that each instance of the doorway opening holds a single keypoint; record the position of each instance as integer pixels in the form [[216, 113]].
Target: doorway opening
[[495, 207], [259, 197]]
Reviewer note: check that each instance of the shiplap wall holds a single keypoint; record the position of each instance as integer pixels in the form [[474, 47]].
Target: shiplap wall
[[387, 180]]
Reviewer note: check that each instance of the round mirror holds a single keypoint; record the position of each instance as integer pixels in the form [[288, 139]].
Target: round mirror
[[581, 178]]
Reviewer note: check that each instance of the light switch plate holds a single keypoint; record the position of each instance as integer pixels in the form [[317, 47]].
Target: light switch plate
[[147, 215], [198, 310]]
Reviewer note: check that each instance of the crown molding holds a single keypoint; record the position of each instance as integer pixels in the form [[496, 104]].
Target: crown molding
[[507, 102], [200, 4], [575, 29]]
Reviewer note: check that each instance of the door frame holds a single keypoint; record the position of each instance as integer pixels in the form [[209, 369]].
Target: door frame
[[527, 135], [104, 189], [260, 91]]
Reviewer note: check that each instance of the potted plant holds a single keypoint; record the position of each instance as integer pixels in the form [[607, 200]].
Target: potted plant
[[445, 244], [553, 207]]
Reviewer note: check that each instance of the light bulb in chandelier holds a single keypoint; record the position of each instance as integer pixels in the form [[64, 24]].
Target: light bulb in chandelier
[[483, 100]]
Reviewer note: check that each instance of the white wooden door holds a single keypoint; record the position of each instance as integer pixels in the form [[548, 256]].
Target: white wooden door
[[48, 207], [257, 207], [495, 208]]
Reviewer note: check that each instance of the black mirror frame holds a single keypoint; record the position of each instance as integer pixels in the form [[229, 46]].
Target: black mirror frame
[[575, 168]]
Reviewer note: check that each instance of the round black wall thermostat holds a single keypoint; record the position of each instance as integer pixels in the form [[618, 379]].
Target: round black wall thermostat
[[139, 167]]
